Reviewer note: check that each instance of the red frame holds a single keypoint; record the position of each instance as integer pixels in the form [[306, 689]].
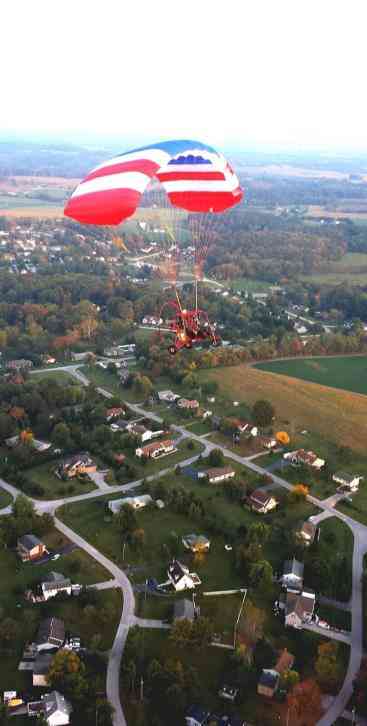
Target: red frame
[[189, 327]]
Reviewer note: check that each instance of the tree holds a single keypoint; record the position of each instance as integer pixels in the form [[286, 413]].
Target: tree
[[261, 574], [263, 413], [67, 673], [216, 458], [126, 522], [328, 668], [8, 630], [305, 699], [289, 679], [258, 533], [180, 634], [61, 436], [298, 493]]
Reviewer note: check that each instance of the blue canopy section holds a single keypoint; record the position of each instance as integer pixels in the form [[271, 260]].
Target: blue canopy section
[[174, 147]]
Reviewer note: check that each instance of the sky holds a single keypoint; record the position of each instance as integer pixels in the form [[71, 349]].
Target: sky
[[231, 72]]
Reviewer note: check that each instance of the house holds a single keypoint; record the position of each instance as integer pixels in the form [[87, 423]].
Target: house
[[138, 502], [244, 427], [29, 548], [142, 432], [347, 481], [307, 532], [267, 442], [299, 607], [262, 501], [180, 577], [57, 709], [115, 412], [187, 404], [119, 425], [268, 683], [197, 716], [293, 574], [184, 610], [41, 668], [76, 465], [19, 364], [196, 542], [54, 707], [54, 583], [167, 396], [219, 474], [155, 450], [285, 661], [81, 357], [304, 458], [51, 634], [216, 422]]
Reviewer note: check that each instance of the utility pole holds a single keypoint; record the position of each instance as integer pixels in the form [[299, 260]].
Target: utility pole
[[354, 716], [238, 620], [142, 688]]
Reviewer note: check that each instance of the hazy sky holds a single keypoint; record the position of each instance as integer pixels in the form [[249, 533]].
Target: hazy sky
[[231, 72]]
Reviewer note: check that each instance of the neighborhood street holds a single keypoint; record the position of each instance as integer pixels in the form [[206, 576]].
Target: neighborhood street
[[120, 579]]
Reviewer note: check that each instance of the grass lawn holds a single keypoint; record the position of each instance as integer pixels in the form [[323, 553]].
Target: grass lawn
[[214, 667], [357, 508], [5, 498], [245, 447], [346, 372], [335, 547], [330, 413], [59, 376], [16, 577], [186, 449], [55, 488], [104, 379], [164, 528]]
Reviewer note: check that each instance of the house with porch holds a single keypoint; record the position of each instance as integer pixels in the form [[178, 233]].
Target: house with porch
[[262, 501], [347, 482]]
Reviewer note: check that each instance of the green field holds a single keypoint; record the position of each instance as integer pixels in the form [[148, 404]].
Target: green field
[[5, 498], [345, 372]]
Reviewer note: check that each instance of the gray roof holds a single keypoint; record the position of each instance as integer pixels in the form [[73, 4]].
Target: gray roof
[[348, 478], [269, 678], [42, 664], [56, 585], [293, 567], [54, 702], [51, 630], [184, 609], [53, 577], [28, 541]]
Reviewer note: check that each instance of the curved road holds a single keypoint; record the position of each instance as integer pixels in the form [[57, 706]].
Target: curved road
[[128, 619]]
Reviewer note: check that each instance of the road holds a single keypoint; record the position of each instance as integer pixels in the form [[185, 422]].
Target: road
[[128, 618]]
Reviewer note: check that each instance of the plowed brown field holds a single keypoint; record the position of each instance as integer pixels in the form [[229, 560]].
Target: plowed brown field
[[336, 415]]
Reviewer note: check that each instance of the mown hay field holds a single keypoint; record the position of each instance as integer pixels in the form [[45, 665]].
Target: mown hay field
[[336, 415]]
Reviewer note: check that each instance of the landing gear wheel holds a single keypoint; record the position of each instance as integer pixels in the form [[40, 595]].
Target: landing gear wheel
[[172, 350]]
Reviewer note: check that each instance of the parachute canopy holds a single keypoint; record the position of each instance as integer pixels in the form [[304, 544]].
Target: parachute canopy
[[194, 176]]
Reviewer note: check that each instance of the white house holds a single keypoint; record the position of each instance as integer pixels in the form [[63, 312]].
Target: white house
[[219, 474], [142, 432], [57, 709], [54, 583], [138, 502], [293, 574], [180, 577], [262, 501], [347, 481], [167, 396], [155, 449]]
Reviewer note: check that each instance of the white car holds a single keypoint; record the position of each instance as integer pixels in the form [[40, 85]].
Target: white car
[[228, 548], [55, 557]]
